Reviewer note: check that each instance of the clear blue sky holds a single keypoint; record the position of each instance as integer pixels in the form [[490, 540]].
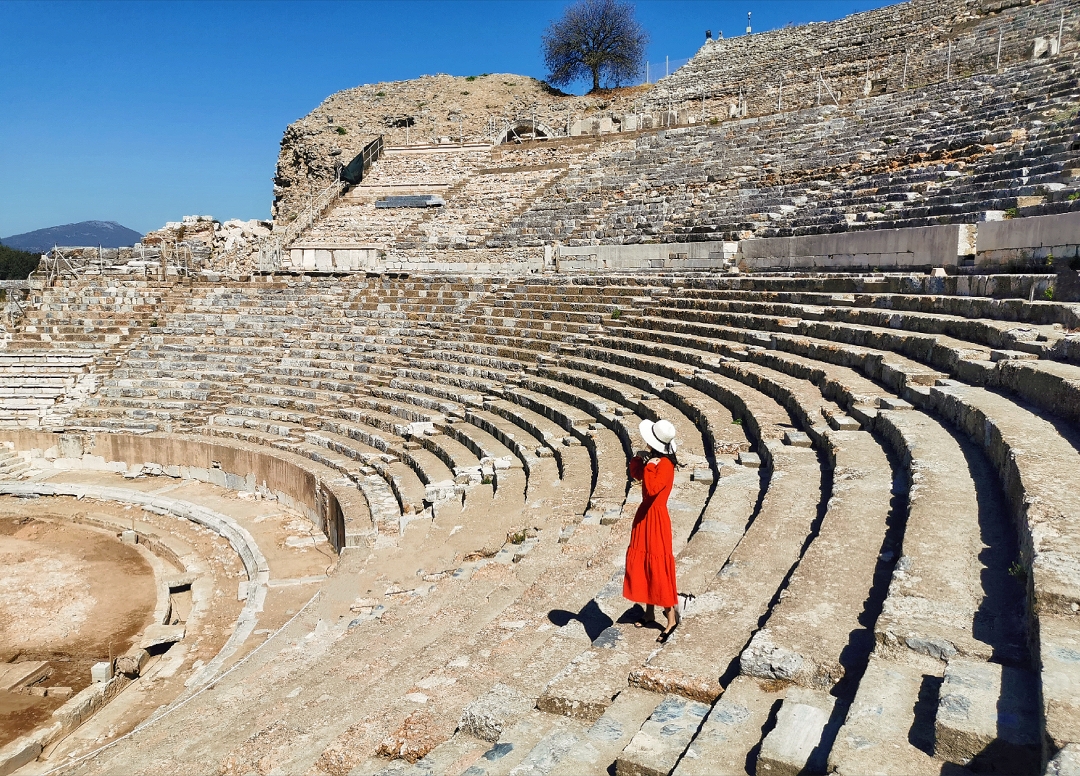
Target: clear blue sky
[[144, 112]]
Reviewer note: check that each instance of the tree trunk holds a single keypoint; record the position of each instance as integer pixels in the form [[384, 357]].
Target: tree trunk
[[596, 79]]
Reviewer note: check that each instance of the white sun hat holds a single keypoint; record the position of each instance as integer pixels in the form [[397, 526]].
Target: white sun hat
[[660, 436]]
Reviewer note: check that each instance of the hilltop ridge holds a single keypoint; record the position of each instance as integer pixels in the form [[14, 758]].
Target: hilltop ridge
[[107, 234]]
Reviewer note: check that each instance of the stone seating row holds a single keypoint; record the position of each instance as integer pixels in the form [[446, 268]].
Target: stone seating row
[[476, 207], [713, 761], [1049, 385], [643, 364], [544, 660], [254, 422], [891, 44], [555, 690], [720, 718], [694, 183], [1048, 553], [424, 168]]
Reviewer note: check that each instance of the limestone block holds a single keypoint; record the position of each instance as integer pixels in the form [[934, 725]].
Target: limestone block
[[132, 662], [157, 635], [732, 728], [586, 688], [990, 710], [581, 127], [797, 439], [1044, 46], [804, 732], [18, 753], [893, 403], [491, 713], [1059, 653], [658, 745], [1066, 762], [764, 659], [101, 672], [839, 422], [22, 674], [70, 446], [750, 460], [1012, 355]]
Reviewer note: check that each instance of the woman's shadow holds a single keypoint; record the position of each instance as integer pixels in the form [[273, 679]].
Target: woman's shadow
[[591, 617]]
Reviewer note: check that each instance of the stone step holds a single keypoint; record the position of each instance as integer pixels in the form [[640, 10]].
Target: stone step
[[806, 725], [988, 717], [727, 612], [732, 730], [837, 573], [890, 724], [656, 748]]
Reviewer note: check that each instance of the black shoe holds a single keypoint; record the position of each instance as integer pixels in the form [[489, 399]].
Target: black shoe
[[666, 634]]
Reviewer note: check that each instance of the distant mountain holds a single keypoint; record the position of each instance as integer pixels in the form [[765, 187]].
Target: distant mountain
[[107, 234]]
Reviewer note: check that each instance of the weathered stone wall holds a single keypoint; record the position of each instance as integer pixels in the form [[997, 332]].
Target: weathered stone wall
[[296, 481], [344, 258], [901, 46], [1026, 244]]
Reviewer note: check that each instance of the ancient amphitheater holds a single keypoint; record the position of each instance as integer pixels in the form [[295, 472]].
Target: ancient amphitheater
[[350, 496]]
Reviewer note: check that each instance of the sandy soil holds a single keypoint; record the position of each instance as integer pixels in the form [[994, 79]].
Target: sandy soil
[[69, 595], [298, 555]]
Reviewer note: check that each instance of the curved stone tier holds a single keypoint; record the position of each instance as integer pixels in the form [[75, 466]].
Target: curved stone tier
[[876, 513]]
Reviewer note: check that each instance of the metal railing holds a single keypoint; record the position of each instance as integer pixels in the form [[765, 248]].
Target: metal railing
[[13, 309], [272, 247], [55, 265], [654, 71]]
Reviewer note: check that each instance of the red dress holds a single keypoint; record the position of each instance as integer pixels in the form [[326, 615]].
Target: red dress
[[650, 563]]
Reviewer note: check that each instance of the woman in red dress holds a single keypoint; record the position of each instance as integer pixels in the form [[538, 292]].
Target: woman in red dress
[[650, 563]]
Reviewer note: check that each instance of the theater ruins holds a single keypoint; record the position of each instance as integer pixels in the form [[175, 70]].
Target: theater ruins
[[346, 492]]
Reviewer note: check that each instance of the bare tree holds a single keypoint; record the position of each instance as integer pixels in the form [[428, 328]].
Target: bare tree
[[598, 38]]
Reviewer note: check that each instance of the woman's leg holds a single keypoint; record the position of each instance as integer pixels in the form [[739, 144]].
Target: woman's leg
[[648, 617], [672, 621]]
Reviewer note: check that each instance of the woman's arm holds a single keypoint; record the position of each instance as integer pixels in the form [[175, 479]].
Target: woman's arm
[[658, 476]]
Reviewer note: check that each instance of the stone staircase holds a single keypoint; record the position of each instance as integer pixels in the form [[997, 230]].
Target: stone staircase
[[12, 465]]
